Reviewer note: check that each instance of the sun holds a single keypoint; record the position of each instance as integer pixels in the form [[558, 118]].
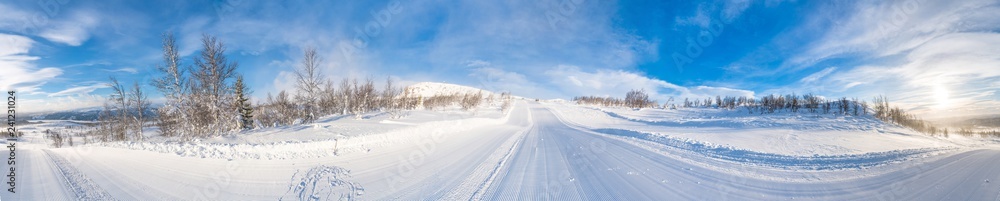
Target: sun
[[942, 96]]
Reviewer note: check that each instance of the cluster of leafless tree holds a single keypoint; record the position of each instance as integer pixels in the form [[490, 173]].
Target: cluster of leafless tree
[[58, 138], [970, 132], [316, 96], [201, 99], [791, 102], [124, 113], [210, 98], [882, 110], [207, 98], [633, 99], [880, 107]]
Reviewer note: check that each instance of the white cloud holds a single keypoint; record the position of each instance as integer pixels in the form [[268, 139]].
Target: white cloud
[[477, 63], [726, 11], [573, 81], [700, 18], [127, 70], [499, 80], [79, 90], [19, 72], [932, 57], [733, 9], [73, 30], [884, 28], [818, 75]]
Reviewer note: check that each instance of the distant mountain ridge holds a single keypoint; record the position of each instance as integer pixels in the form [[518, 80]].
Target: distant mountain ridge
[[85, 114]]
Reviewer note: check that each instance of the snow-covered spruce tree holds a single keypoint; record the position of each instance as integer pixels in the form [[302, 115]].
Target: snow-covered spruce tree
[[308, 80], [172, 83], [243, 107], [211, 89]]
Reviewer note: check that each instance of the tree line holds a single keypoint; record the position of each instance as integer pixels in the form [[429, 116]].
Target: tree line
[[878, 108], [635, 99], [209, 98]]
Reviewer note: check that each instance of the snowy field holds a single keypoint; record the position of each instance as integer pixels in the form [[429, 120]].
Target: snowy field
[[537, 151]]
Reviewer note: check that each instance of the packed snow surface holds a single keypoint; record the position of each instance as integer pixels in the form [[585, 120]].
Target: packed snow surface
[[536, 151]]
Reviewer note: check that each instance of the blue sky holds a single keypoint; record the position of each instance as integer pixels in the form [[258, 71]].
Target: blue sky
[[936, 58]]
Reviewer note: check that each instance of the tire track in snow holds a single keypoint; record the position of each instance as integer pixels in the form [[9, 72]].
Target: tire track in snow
[[83, 187]]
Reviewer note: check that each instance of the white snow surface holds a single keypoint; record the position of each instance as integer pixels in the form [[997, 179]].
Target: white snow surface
[[536, 151]]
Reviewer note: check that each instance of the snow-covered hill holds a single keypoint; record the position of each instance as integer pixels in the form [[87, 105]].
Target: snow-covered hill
[[428, 89]]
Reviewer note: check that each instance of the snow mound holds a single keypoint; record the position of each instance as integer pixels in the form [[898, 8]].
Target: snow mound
[[428, 89]]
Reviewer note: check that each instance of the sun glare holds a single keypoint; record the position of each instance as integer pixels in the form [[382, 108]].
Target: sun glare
[[942, 96]]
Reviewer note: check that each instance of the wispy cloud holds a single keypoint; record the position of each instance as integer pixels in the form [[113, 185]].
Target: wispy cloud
[[73, 30], [126, 70], [916, 51], [19, 72], [574, 81], [818, 75], [80, 90]]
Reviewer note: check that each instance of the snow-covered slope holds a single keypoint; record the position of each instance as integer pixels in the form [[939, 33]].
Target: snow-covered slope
[[428, 89]]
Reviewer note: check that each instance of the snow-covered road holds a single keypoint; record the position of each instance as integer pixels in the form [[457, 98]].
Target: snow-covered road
[[561, 162], [532, 156]]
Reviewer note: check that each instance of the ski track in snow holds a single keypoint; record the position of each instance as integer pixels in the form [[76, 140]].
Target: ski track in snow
[[84, 188], [484, 175]]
